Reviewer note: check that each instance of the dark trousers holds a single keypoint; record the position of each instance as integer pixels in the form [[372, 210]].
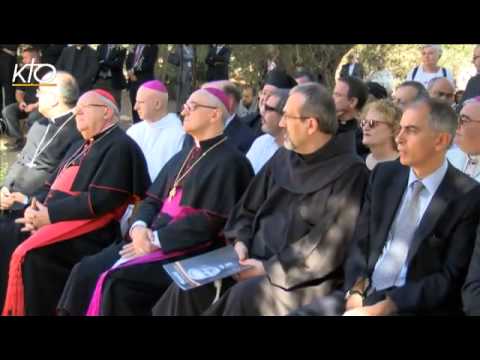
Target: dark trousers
[[12, 115], [7, 94]]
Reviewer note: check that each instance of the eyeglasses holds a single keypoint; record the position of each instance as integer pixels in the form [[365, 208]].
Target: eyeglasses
[[192, 106], [464, 120], [90, 105], [372, 123], [270, 108], [80, 108]]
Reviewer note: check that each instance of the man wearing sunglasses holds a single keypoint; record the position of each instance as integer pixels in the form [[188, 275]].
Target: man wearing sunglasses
[[266, 145], [275, 79]]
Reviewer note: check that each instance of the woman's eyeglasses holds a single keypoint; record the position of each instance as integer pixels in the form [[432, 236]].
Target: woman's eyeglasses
[[372, 123]]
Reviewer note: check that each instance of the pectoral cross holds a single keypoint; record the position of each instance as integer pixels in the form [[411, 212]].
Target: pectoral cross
[[172, 193]]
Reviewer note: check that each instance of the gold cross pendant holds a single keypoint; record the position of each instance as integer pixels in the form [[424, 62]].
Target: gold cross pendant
[[172, 193]]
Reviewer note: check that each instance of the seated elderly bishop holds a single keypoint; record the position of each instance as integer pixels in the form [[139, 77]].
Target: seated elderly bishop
[[78, 213]]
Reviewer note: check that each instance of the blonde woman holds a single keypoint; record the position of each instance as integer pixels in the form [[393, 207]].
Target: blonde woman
[[380, 124]]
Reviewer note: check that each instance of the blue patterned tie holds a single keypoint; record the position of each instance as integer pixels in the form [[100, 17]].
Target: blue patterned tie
[[388, 270]]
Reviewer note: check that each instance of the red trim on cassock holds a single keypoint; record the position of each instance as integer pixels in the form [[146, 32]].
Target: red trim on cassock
[[48, 235], [108, 188]]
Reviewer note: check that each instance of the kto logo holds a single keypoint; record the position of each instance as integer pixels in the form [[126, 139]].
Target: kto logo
[[18, 74]]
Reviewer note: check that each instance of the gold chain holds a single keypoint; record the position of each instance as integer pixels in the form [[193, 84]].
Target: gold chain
[[179, 178]]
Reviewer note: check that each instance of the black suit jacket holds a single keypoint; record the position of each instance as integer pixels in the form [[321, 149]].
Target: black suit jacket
[[239, 134], [51, 52], [471, 289], [144, 70], [472, 89], [357, 71], [82, 64], [217, 63], [114, 62], [440, 251], [7, 63]]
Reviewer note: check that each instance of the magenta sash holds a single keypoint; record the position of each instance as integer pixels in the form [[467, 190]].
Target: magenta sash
[[177, 212]]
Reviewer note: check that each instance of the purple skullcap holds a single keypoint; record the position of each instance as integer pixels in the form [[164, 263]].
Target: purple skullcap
[[219, 94], [155, 85], [475, 99]]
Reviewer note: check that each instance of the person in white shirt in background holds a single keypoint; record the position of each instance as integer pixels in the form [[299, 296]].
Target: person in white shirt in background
[[266, 145], [429, 68], [160, 134], [466, 156]]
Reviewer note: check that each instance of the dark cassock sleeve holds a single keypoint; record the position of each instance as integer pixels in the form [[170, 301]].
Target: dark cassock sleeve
[[321, 252], [471, 289], [149, 208], [219, 192], [433, 290], [239, 226], [120, 176]]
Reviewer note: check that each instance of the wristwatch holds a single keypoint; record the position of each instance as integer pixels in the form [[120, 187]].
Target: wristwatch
[[352, 292]]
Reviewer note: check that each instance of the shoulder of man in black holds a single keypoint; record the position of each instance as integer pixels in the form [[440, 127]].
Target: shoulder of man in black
[[121, 155]]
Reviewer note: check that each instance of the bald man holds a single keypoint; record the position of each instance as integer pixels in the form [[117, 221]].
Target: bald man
[[238, 134], [466, 157], [184, 213], [443, 89], [78, 214], [160, 134]]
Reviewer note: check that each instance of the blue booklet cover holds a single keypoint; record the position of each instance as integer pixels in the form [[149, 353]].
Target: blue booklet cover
[[205, 268]]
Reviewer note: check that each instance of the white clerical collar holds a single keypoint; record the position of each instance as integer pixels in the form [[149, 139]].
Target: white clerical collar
[[169, 120], [55, 118]]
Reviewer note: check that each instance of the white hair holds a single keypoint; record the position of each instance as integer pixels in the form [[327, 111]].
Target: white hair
[[438, 48], [111, 105]]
